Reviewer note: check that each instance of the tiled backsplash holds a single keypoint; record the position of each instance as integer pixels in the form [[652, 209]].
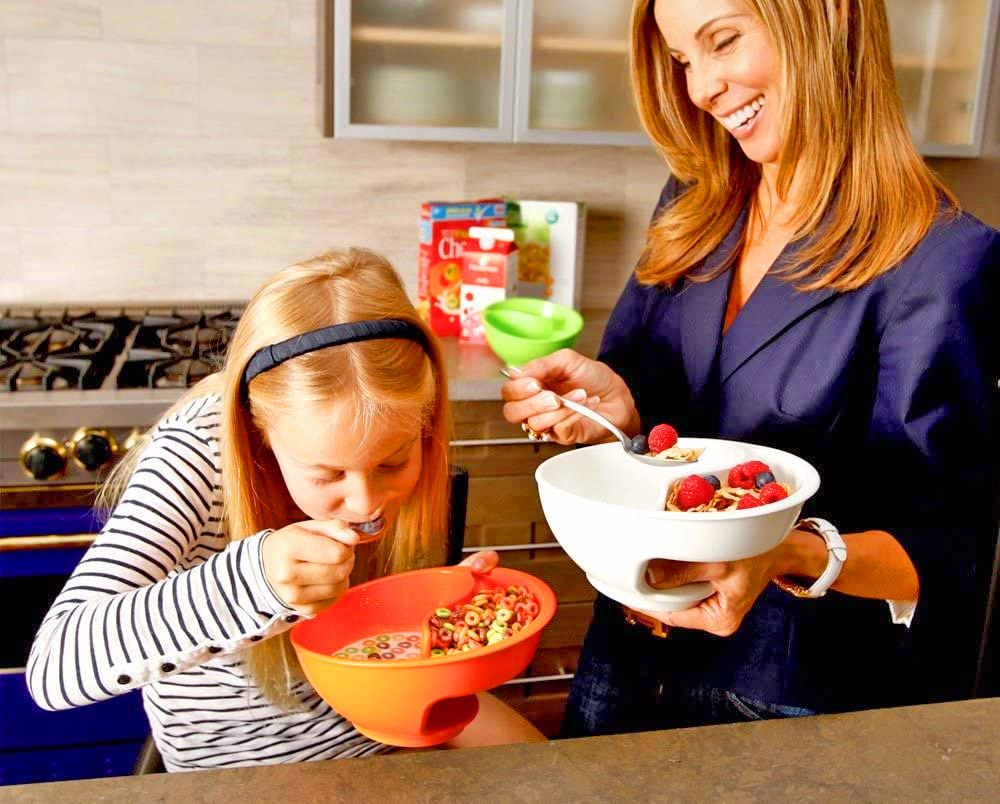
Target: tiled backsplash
[[154, 150]]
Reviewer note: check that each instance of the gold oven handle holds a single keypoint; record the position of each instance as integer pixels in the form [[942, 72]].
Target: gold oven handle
[[44, 542]]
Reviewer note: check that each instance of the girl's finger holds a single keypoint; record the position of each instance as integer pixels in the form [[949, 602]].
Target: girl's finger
[[481, 562], [335, 529], [319, 593], [310, 573], [316, 548]]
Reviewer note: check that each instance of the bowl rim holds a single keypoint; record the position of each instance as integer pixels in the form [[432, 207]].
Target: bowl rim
[[547, 605], [573, 328], [806, 489]]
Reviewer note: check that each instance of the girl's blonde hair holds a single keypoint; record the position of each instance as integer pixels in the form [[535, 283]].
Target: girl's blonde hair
[[843, 136], [385, 380]]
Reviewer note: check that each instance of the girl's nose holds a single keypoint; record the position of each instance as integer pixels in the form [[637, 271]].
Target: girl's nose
[[364, 499]]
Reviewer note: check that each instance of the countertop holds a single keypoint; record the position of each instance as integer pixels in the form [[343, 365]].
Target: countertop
[[917, 755]]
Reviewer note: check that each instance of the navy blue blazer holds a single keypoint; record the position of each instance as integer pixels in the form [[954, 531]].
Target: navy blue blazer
[[890, 392]]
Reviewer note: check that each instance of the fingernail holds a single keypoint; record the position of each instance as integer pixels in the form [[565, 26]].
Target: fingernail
[[552, 403], [577, 395], [654, 574], [514, 371], [594, 401], [534, 387], [478, 565]]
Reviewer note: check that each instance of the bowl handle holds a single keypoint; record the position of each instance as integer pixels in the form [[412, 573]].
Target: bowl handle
[[675, 599]]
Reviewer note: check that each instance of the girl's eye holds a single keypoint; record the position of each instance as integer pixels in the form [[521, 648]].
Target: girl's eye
[[323, 481], [725, 43], [393, 467]]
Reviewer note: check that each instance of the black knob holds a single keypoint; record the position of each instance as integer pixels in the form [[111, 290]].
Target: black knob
[[93, 451], [44, 461]]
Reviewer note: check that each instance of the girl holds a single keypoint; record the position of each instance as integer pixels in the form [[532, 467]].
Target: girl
[[807, 283], [246, 510]]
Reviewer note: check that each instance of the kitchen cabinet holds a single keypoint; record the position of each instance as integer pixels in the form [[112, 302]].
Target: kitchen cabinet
[[556, 71], [477, 71], [943, 53]]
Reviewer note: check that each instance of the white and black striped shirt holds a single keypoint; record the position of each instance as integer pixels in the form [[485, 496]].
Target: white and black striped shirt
[[164, 601]]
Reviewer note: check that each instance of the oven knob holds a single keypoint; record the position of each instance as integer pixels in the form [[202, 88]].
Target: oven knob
[[43, 458], [93, 449], [132, 439]]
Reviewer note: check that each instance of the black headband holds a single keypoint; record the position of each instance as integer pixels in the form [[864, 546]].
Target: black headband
[[336, 335]]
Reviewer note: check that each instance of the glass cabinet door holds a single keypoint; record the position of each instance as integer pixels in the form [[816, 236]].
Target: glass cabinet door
[[942, 51], [573, 74], [424, 69]]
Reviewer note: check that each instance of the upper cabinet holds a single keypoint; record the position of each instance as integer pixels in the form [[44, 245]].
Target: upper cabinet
[[943, 50], [556, 71]]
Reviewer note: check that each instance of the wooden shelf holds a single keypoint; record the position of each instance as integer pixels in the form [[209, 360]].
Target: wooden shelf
[[574, 44], [908, 62], [377, 34]]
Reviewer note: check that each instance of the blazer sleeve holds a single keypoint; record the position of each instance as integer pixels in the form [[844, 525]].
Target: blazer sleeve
[[932, 424]]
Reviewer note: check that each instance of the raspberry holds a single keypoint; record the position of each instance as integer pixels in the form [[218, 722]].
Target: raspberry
[[753, 468], [662, 437], [748, 501], [772, 492], [694, 491], [743, 475]]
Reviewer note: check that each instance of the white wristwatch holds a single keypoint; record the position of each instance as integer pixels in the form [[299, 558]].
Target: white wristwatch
[[836, 552]]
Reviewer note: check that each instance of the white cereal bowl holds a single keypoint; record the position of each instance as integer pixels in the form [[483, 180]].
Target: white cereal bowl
[[607, 512]]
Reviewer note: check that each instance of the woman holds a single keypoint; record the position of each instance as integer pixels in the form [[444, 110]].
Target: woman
[[808, 284]]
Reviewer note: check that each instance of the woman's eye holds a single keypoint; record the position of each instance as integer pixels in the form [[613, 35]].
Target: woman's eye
[[393, 467], [725, 43], [323, 481]]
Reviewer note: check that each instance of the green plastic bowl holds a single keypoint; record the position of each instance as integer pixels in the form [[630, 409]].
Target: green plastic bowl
[[520, 330]]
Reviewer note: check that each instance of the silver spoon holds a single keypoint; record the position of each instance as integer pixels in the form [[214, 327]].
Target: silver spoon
[[626, 442]]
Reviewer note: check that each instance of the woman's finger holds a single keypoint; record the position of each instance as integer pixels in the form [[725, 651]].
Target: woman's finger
[[518, 390], [663, 573], [696, 618]]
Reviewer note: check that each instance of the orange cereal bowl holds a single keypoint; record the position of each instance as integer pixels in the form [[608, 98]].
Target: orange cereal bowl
[[413, 702]]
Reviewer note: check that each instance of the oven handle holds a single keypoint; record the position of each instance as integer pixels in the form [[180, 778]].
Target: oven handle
[[43, 542]]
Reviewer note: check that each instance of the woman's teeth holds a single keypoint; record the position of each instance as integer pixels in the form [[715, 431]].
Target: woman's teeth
[[743, 116]]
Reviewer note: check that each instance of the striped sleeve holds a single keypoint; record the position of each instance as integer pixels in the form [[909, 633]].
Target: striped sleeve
[[131, 613]]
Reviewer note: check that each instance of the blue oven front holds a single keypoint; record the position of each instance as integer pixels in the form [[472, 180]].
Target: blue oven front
[[39, 547]]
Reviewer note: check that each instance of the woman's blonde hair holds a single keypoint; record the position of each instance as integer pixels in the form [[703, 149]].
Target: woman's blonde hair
[[384, 380], [843, 135]]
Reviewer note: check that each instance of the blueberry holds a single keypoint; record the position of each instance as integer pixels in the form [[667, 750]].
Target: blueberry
[[763, 479], [713, 481], [640, 444]]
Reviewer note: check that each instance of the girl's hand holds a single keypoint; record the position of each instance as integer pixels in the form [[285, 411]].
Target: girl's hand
[[530, 398], [737, 585], [482, 562], [309, 564]]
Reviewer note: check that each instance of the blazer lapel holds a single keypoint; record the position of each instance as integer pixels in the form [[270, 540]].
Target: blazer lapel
[[771, 309], [702, 308]]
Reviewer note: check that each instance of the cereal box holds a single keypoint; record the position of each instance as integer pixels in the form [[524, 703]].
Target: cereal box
[[444, 230], [489, 274], [550, 235]]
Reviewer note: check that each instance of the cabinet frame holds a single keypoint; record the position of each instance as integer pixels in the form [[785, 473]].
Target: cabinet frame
[[341, 102], [516, 50]]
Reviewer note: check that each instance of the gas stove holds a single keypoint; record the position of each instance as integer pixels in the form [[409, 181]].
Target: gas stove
[[78, 385]]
